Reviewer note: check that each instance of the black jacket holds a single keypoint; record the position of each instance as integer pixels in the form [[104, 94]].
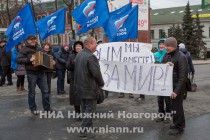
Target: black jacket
[[180, 70], [1, 49], [62, 57], [87, 75], [24, 57], [5, 58], [70, 67]]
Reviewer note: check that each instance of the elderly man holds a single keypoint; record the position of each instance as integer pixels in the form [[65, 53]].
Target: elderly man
[[177, 59], [88, 79]]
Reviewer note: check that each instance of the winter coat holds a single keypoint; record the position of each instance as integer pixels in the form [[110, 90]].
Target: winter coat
[[55, 51], [87, 75], [160, 53], [73, 97], [20, 71], [180, 70], [61, 59], [24, 57], [6, 58], [1, 49], [189, 60]]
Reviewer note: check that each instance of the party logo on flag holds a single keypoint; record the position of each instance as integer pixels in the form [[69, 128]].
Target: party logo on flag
[[51, 24], [119, 23], [89, 10], [17, 28]]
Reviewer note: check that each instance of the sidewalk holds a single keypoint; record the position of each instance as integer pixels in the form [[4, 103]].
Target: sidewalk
[[201, 62]]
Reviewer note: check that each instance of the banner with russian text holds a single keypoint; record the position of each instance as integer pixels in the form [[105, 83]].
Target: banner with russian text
[[137, 78], [133, 52]]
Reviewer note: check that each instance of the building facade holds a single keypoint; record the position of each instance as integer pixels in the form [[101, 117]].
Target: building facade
[[163, 19]]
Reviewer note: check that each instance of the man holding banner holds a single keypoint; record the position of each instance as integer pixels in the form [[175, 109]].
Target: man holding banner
[[180, 72]]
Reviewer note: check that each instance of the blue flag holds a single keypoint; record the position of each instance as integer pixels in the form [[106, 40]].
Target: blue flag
[[125, 8], [91, 14], [52, 24], [123, 25], [22, 25]]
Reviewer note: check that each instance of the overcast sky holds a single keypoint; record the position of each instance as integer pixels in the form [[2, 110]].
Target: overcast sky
[[158, 4]]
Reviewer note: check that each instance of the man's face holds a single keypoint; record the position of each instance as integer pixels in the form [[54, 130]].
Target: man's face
[[162, 46], [2, 44], [170, 49], [32, 42]]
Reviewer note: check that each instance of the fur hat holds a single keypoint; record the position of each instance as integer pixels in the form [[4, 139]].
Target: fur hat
[[171, 41]]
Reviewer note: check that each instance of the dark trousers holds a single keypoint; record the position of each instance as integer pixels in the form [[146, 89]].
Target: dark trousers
[[6, 71], [88, 106], [20, 80], [49, 77], [60, 80], [178, 112], [41, 81], [161, 100], [0, 70], [77, 108]]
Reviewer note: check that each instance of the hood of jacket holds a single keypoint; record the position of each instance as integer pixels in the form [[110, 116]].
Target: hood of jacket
[[183, 50], [158, 46]]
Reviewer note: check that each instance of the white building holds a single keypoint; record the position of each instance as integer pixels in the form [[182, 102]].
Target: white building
[[163, 19]]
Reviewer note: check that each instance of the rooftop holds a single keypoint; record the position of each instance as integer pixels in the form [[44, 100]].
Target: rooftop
[[175, 15]]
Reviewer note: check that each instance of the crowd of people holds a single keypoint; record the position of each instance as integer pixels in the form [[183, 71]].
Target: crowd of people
[[85, 78]]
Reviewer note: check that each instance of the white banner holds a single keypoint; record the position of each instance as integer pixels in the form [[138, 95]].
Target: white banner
[[143, 14], [125, 52], [148, 79]]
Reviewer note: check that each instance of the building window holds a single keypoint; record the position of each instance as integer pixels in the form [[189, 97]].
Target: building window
[[169, 32], [55, 39], [152, 34], [162, 33], [69, 37]]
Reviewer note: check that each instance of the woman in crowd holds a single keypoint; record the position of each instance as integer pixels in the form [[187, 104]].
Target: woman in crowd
[[48, 72], [19, 69], [61, 59], [73, 98]]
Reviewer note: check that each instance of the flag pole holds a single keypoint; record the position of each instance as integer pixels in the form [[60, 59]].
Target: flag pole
[[33, 12]]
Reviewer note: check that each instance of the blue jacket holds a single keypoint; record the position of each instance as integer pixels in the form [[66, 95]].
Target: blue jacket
[[14, 64], [160, 53], [189, 60]]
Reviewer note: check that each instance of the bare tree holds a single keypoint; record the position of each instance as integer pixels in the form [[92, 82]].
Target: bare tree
[[70, 6]]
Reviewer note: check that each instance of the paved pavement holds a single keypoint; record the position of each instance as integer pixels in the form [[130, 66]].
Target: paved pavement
[[201, 62], [16, 121]]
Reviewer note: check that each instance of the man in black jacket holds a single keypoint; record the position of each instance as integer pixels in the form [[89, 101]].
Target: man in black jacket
[[6, 65], [88, 79], [175, 58], [35, 75]]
